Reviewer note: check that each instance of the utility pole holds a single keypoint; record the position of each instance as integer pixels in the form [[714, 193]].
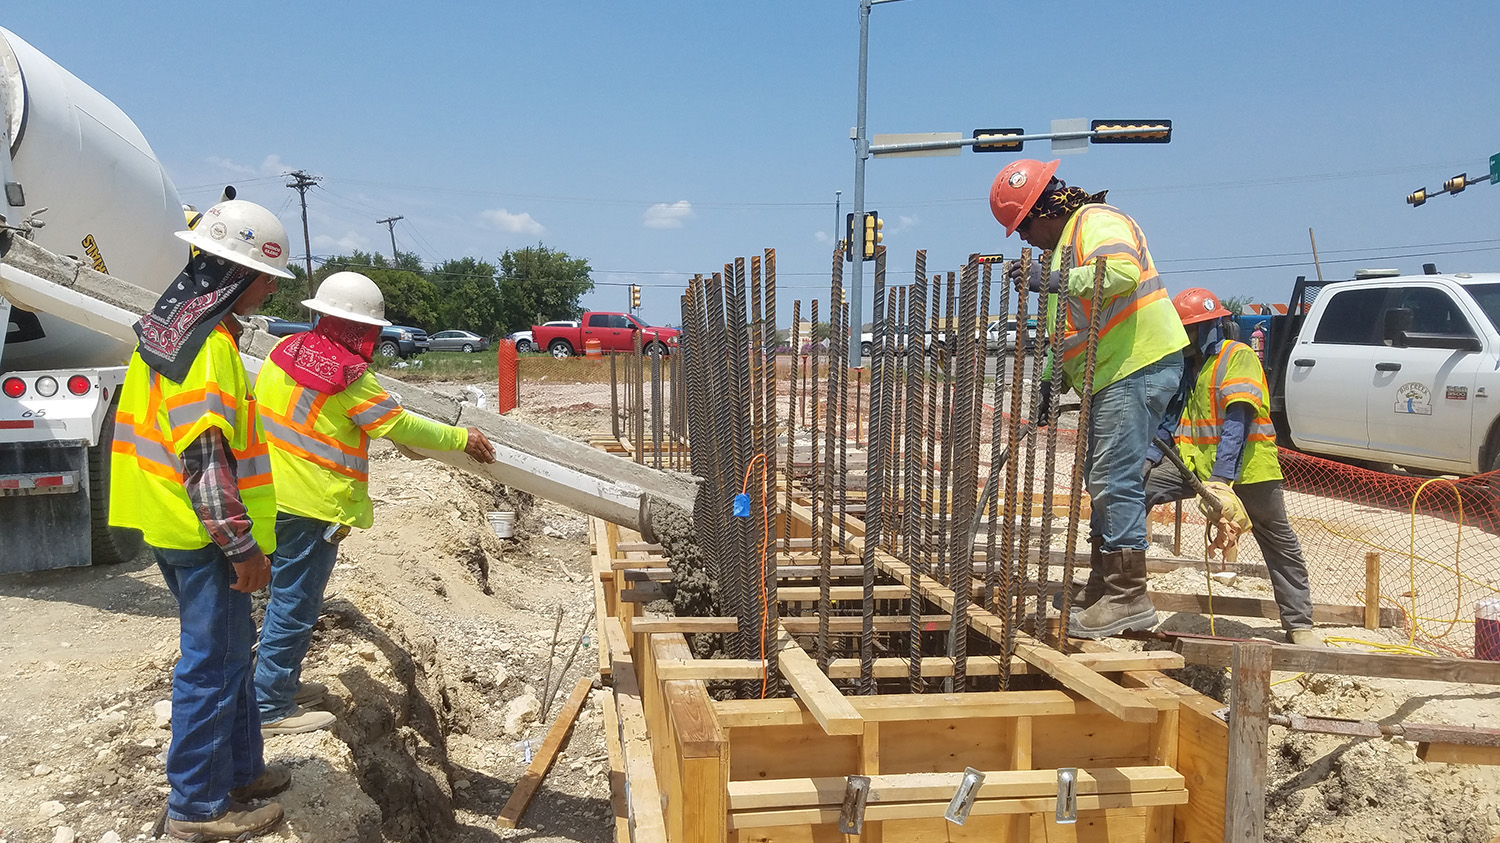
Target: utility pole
[[390, 222], [301, 182]]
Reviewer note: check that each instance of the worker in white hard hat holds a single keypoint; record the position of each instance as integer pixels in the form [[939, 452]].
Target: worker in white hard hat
[[320, 406], [189, 468]]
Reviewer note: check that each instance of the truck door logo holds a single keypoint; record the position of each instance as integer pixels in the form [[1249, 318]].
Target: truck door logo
[[1413, 399], [1457, 393]]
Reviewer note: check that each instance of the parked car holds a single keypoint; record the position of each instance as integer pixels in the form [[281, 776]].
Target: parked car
[[524, 341], [465, 341], [614, 331], [395, 341]]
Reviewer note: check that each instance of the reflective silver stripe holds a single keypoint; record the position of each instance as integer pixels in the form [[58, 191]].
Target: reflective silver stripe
[[368, 417], [1198, 431], [250, 467], [1228, 393], [1114, 250], [1116, 307], [302, 412], [186, 414], [148, 450], [1262, 429], [281, 433]]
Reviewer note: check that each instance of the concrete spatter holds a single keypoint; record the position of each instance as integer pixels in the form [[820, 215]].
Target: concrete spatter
[[695, 591]]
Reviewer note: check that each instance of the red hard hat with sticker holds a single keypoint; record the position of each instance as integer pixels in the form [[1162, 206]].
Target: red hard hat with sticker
[[1198, 305], [1016, 189]]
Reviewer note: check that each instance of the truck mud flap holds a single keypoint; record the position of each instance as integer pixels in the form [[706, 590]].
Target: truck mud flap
[[38, 530]]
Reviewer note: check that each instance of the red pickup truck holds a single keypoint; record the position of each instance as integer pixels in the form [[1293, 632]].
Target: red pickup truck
[[614, 331]]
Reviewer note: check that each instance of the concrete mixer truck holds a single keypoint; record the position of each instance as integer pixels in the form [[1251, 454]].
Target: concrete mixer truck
[[79, 179], [86, 245]]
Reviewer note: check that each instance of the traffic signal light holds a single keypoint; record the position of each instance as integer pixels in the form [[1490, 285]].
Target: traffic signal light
[[849, 237], [1139, 131], [1457, 183], [635, 297], [1417, 197], [984, 259], [872, 237], [994, 140]]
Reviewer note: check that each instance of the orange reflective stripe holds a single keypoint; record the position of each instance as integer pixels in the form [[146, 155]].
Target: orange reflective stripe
[[1125, 313], [375, 412]]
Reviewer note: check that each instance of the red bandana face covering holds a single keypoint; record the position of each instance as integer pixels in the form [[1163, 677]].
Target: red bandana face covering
[[331, 356]]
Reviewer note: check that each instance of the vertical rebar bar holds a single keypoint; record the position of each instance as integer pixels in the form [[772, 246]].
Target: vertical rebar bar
[[1052, 319], [656, 409], [959, 535], [912, 482], [836, 291], [1085, 423], [1015, 565], [874, 491], [843, 424], [791, 422], [929, 431]]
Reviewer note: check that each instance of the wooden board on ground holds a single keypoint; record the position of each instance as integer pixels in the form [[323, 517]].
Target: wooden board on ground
[[510, 815], [1350, 663]]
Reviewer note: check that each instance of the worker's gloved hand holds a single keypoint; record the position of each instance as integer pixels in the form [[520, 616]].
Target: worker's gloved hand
[[1233, 521], [1035, 277], [479, 446], [1043, 413]]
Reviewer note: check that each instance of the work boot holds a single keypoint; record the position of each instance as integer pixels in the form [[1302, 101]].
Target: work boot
[[1089, 593], [237, 823], [310, 693], [1304, 637], [299, 721], [1124, 605], [274, 780]]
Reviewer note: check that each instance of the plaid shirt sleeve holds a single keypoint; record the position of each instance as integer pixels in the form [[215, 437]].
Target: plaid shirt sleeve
[[212, 484]]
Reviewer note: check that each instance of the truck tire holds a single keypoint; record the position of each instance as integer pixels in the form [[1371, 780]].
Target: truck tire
[[111, 545], [561, 349], [655, 349], [524, 347], [389, 348], [864, 349]]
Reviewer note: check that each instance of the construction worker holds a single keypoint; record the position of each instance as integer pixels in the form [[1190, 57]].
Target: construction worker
[[1222, 419], [1137, 368], [190, 469], [320, 405]]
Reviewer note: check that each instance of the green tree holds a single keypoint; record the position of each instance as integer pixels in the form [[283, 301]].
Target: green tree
[[469, 298], [1235, 304], [286, 302], [538, 284]]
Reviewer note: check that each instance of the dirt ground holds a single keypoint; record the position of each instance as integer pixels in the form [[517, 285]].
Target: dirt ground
[[436, 643]]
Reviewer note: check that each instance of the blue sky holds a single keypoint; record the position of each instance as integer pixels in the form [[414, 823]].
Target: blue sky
[[662, 139]]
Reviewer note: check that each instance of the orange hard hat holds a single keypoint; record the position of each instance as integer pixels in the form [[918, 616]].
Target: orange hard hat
[[1198, 305], [1016, 189]]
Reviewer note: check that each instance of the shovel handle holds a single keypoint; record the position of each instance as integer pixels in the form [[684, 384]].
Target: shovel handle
[[1215, 507]]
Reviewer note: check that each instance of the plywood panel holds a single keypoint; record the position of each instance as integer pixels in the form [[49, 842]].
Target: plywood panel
[[945, 746], [780, 752], [1073, 741]]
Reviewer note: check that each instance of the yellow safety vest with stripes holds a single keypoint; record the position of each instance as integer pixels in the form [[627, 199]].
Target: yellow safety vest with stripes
[[1140, 326], [157, 419], [1233, 374], [320, 443]]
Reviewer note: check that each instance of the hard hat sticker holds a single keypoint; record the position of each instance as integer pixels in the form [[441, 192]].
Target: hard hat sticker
[[271, 249], [1017, 180], [217, 231], [1209, 305], [247, 235]]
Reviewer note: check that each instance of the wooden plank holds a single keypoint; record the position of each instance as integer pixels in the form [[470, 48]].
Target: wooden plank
[[983, 807], [1249, 733], [1289, 657], [1372, 590], [1202, 746], [633, 546], [645, 802], [658, 624], [620, 811], [709, 669], [917, 787], [700, 747], [1452, 753], [1253, 607], [895, 707], [510, 815], [816, 691], [625, 563]]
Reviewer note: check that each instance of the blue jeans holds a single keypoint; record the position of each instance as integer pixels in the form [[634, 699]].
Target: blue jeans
[[299, 572], [1124, 417], [216, 743]]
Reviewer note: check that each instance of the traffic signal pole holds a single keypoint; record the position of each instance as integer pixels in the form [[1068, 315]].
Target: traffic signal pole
[[861, 140]]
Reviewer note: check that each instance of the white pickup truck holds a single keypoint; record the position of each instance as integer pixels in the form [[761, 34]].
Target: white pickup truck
[[1392, 370]]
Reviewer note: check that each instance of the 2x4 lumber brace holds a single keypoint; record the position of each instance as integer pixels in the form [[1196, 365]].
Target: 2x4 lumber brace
[[616, 753], [741, 820], [520, 798], [1249, 735], [922, 787], [645, 805], [701, 749], [1290, 657], [656, 625], [816, 691], [896, 668], [1453, 753], [742, 714]]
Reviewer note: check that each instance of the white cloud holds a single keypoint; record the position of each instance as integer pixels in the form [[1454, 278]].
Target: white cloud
[[270, 166], [342, 244], [822, 237], [513, 223], [903, 223], [663, 215]]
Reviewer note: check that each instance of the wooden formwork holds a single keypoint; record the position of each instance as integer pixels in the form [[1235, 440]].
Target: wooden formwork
[[1149, 751]]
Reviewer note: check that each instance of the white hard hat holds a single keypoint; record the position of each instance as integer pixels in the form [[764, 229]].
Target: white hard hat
[[242, 232], [349, 295]]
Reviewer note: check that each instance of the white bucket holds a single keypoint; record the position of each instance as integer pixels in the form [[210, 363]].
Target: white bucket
[[503, 523]]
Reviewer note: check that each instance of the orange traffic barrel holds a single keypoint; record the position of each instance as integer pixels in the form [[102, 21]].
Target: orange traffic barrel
[[591, 348]]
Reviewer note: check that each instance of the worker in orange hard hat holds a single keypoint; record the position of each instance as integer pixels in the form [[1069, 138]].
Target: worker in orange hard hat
[[1220, 419], [1138, 364]]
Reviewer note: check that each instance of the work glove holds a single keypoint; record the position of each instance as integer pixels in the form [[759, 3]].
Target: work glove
[[1037, 279], [1233, 521], [1043, 414]]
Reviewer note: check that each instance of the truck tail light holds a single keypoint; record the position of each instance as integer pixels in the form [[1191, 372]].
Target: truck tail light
[[46, 386], [14, 387], [79, 385]]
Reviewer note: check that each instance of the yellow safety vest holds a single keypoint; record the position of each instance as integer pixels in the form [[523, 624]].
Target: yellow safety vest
[[320, 443], [1233, 374], [157, 419], [1140, 326]]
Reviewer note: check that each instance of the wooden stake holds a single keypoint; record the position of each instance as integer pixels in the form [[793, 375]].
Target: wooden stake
[[1372, 590], [510, 815], [1249, 727]]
